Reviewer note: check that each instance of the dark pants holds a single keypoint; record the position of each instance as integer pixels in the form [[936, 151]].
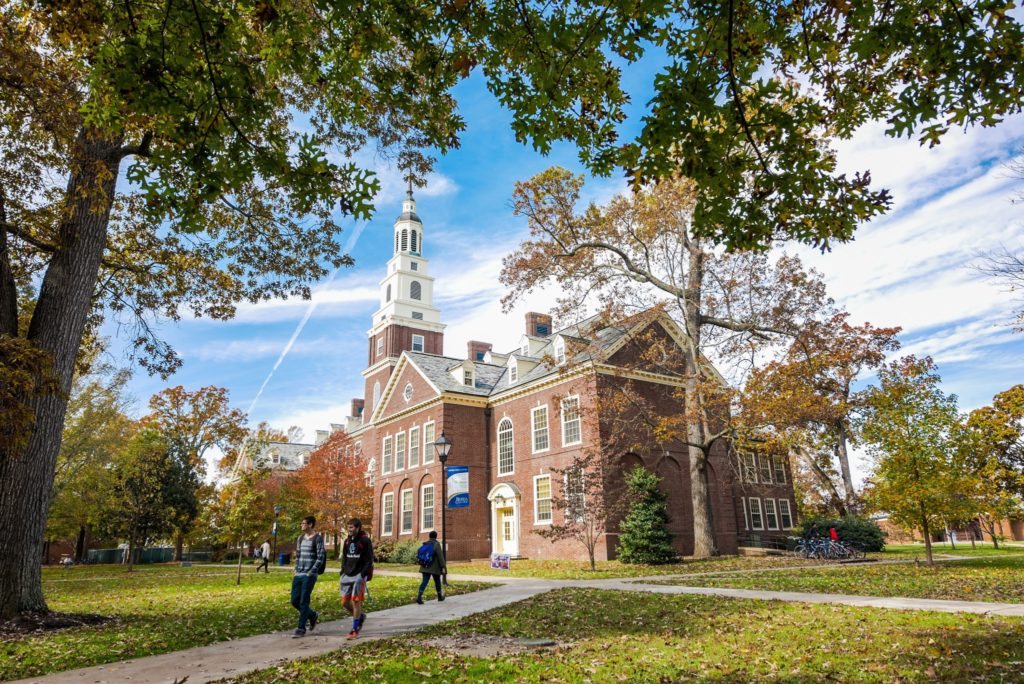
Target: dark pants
[[426, 581], [263, 566], [302, 588]]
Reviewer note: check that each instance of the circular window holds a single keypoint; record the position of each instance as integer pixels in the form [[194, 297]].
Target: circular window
[[408, 392]]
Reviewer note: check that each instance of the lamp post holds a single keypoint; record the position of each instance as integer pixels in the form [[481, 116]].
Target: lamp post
[[277, 512], [443, 447]]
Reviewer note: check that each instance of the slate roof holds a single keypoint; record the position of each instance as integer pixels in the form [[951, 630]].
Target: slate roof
[[491, 378]]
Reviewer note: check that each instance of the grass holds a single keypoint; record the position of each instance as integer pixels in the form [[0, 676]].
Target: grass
[[986, 578], [168, 608], [580, 570], [669, 638], [917, 550]]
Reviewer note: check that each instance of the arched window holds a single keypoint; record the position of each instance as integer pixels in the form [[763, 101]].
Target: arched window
[[415, 290], [387, 294], [405, 239], [414, 240], [506, 456]]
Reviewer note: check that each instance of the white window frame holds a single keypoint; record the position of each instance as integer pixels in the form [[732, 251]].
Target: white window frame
[[770, 514], [467, 377], [748, 464], [511, 447], [764, 469], [513, 374], [418, 341], [755, 503], [780, 469], [746, 515], [785, 512], [407, 513], [537, 520], [305, 458], [414, 447], [400, 450], [426, 508], [545, 432], [578, 420], [387, 514], [428, 442], [569, 495], [275, 457], [560, 352], [387, 456], [380, 346]]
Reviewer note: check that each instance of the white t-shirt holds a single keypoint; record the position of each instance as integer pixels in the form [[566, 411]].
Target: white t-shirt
[[265, 550]]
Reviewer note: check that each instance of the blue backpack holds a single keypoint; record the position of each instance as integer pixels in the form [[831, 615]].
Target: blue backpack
[[425, 556]]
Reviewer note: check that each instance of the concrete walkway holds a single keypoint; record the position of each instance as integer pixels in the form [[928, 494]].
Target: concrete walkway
[[233, 658]]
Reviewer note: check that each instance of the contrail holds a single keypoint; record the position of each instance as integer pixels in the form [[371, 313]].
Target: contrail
[[349, 246]]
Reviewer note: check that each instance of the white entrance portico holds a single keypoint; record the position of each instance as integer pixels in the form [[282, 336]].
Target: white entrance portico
[[505, 501]]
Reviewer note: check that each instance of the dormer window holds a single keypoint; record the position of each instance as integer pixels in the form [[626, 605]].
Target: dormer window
[[513, 373], [525, 349], [467, 377], [560, 352]]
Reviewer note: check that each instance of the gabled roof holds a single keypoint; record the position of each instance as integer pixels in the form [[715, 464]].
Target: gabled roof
[[437, 369]]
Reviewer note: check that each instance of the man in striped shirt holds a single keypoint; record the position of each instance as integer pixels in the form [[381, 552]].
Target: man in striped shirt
[[310, 563]]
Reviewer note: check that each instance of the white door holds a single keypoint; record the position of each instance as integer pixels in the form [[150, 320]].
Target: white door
[[508, 531]]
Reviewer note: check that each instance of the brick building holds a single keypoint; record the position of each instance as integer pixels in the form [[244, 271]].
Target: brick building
[[516, 417]]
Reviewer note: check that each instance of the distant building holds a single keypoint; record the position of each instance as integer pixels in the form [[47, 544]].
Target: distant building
[[515, 418]]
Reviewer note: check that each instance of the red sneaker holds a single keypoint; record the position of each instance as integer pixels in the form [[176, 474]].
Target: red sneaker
[[353, 634]]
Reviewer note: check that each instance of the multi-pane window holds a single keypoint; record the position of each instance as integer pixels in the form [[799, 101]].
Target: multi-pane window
[[749, 468], [560, 352], [414, 447], [756, 521], [400, 451], [780, 469], [540, 428], [387, 518], [427, 508], [766, 468], [506, 457], [467, 377], [770, 519], [575, 494], [542, 499], [785, 516], [417, 343], [428, 443], [571, 432], [413, 265], [387, 460], [406, 511], [513, 373]]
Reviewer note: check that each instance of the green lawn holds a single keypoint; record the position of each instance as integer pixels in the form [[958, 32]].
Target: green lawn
[[580, 570], [605, 637], [917, 550], [168, 608], [986, 578]]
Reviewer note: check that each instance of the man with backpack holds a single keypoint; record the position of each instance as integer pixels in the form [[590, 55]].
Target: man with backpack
[[431, 559], [356, 569], [263, 555], [310, 563]]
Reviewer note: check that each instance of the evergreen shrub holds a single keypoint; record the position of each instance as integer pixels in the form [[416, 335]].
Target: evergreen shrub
[[643, 534]]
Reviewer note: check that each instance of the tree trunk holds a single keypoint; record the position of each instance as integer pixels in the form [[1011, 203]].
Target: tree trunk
[[238, 577], [927, 535], [131, 551], [825, 481], [179, 543], [843, 456], [58, 323], [80, 545], [703, 524]]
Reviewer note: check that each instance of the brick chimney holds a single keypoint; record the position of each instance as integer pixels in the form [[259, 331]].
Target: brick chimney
[[475, 350], [357, 408], [538, 324]]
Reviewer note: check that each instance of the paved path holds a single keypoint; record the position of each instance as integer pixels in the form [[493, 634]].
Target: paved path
[[232, 658]]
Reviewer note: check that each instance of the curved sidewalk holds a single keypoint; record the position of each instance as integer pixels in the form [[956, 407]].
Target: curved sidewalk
[[233, 658]]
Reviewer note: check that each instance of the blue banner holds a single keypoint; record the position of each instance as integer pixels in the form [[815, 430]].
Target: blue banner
[[458, 486]]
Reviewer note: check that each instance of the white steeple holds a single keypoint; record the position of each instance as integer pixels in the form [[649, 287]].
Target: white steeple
[[407, 291]]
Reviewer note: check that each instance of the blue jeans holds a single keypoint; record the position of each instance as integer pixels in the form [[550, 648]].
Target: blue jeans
[[302, 588], [426, 581]]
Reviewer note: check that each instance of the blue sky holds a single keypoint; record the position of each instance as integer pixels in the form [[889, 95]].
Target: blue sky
[[910, 268]]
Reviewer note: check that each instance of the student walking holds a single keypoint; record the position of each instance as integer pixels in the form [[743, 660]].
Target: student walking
[[264, 556], [310, 563], [356, 564], [432, 564]]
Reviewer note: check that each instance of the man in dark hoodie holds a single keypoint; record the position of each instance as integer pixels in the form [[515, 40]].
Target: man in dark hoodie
[[356, 561]]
